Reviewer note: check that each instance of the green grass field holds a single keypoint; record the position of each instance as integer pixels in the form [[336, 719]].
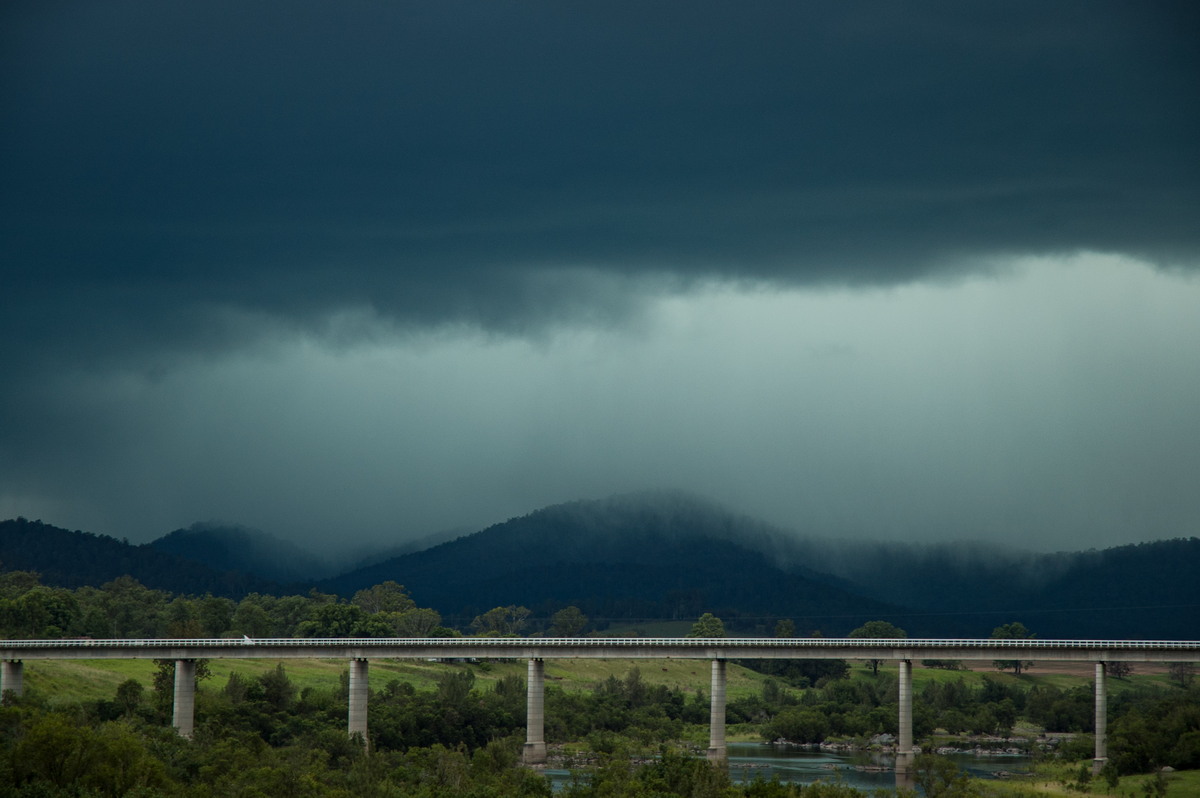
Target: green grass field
[[72, 681], [1059, 779], [1046, 676], [69, 681]]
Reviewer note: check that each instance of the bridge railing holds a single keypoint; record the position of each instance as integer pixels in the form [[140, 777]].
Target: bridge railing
[[607, 642]]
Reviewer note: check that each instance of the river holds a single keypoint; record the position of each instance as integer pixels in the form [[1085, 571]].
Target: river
[[859, 769]]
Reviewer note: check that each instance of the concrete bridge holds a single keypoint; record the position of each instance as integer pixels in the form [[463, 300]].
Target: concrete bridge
[[13, 653]]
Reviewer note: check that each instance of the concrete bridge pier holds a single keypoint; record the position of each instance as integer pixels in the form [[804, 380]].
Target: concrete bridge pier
[[904, 743], [716, 716], [183, 716], [535, 714], [1101, 720], [12, 677], [357, 720]]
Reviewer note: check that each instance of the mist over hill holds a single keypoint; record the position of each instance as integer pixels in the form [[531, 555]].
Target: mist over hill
[[230, 547], [1144, 590], [661, 556], [672, 556], [669, 555]]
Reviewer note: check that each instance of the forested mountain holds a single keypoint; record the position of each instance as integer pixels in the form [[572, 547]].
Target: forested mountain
[[658, 556], [74, 559], [671, 556], [1147, 590], [237, 548]]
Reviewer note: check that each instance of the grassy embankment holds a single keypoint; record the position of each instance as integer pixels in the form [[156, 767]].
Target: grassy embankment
[[1061, 779], [69, 681]]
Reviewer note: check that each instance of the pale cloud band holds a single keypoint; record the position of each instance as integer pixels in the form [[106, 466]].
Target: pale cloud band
[[1015, 407]]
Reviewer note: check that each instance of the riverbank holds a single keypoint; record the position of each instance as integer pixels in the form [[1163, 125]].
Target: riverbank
[[1061, 779]]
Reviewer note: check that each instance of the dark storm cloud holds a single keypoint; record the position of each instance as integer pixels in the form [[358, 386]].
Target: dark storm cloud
[[174, 172]]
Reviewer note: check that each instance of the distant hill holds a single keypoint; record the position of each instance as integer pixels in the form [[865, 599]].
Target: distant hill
[[1148, 590], [666, 555], [224, 547], [670, 556], [74, 559], [655, 556]]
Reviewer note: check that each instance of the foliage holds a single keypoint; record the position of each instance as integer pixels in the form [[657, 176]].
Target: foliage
[[707, 625], [1119, 670], [939, 777], [989, 708], [800, 672], [262, 736], [1182, 673], [385, 597], [1012, 631], [1150, 729], [877, 630], [568, 622], [501, 621], [126, 608]]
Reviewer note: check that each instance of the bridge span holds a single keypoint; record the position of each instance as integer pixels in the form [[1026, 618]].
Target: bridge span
[[535, 650]]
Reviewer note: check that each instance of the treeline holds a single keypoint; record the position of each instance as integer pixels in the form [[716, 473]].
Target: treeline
[[125, 608]]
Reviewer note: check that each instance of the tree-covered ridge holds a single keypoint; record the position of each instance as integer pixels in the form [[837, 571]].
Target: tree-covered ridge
[[668, 557], [229, 547], [618, 560], [77, 559]]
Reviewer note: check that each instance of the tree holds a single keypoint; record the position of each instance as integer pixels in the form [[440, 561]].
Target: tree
[[1012, 631], [417, 622], [708, 625], [939, 777], [164, 680], [133, 609], [1118, 670], [878, 630], [387, 596], [335, 620], [1182, 673], [251, 619], [785, 627], [501, 621], [129, 696], [567, 622], [216, 614], [278, 690]]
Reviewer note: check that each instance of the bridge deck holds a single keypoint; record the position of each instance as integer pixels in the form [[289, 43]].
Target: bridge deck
[[606, 648]]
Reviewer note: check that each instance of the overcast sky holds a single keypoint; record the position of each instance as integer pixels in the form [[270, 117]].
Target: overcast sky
[[359, 272]]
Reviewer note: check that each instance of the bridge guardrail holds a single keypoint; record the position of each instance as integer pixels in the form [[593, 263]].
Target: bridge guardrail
[[577, 642]]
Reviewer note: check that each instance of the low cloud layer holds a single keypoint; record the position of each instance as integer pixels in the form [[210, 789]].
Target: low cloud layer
[[1008, 409], [407, 267]]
